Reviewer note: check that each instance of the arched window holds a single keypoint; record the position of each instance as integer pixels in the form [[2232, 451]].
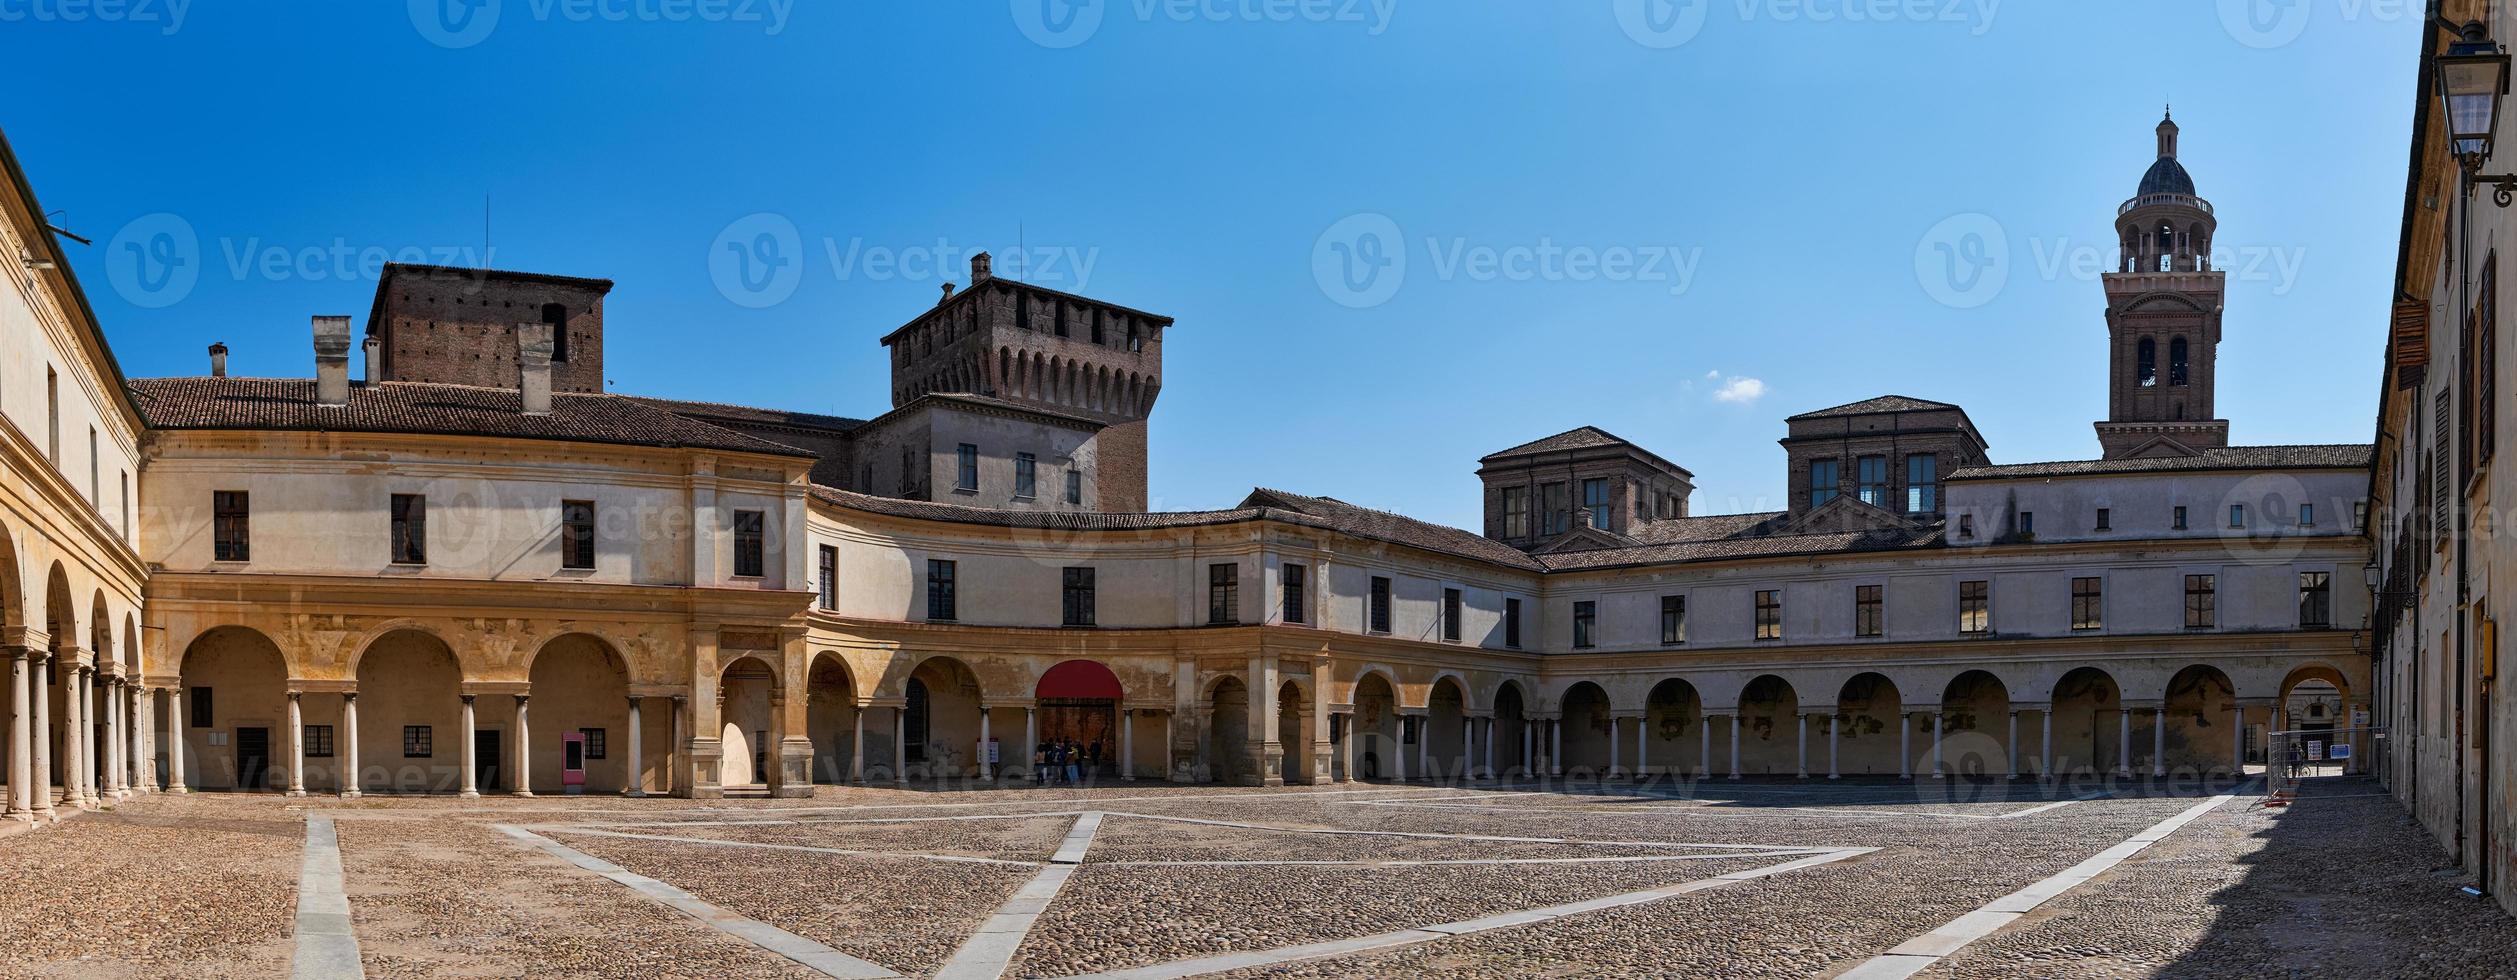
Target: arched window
[[2177, 376], [2146, 364], [557, 316]]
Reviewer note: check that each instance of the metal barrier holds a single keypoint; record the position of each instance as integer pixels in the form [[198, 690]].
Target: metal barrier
[[2296, 755]]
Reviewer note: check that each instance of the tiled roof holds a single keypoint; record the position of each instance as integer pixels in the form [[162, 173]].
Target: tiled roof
[[746, 413], [1585, 437], [2348, 456], [288, 404], [1051, 520], [1883, 403], [1748, 543], [1394, 528]]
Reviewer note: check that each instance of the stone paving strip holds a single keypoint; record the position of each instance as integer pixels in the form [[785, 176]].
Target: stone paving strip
[[770, 846], [820, 958], [1917, 954], [327, 942], [986, 954], [1408, 937]]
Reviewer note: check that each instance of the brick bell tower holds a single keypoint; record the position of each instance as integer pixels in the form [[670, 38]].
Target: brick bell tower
[[2163, 304]]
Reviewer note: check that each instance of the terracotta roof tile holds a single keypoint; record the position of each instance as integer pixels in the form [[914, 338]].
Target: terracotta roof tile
[[288, 404], [2347, 456]]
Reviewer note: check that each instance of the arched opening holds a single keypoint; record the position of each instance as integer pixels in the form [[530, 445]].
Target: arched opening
[[1588, 727], [747, 730], [942, 720], [410, 720], [2315, 705], [2177, 374], [1769, 727], [1447, 741], [830, 720], [1228, 735], [2146, 363], [235, 700], [580, 688], [1874, 739], [1674, 730], [1293, 731], [1378, 730], [96, 699], [1511, 730], [61, 625], [1975, 727], [1079, 711], [2089, 723], [2205, 728]]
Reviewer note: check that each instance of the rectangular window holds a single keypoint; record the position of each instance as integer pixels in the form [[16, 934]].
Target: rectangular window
[[1079, 597], [201, 714], [95, 473], [2088, 604], [2482, 360], [1869, 602], [1380, 605], [1515, 512], [1769, 614], [1824, 482], [1922, 483], [828, 579], [52, 416], [231, 525], [2026, 525], [410, 529], [2237, 515], [2180, 519], [1297, 605], [1451, 615], [966, 468], [2307, 515], [2201, 602], [1966, 525], [1975, 607], [943, 590], [1595, 502], [749, 557], [1872, 474], [576, 534], [1075, 487], [2315, 598], [1026, 476], [1673, 620], [318, 741], [1512, 623], [1557, 514], [2106, 519], [1223, 594], [594, 742], [1585, 623], [418, 742]]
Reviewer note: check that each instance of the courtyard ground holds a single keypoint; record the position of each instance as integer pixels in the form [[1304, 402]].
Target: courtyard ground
[[1774, 879]]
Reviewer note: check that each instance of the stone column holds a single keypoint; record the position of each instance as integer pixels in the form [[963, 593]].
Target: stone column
[[39, 685], [1704, 746], [1642, 744], [2011, 748], [637, 781], [469, 788], [139, 768], [674, 782], [2158, 742], [1835, 738], [2123, 741], [1489, 727], [1529, 746], [900, 744], [2237, 742], [2045, 748], [1616, 734], [1555, 746], [86, 734], [856, 745], [1424, 745], [1939, 720], [987, 770], [72, 782], [109, 751], [1170, 746], [1127, 743], [1734, 745], [177, 728], [349, 745], [296, 744], [1800, 721], [1346, 748], [1398, 748], [21, 731], [1904, 744], [524, 745]]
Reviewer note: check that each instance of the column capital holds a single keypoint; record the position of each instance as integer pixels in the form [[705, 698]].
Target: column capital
[[349, 697], [467, 699], [522, 698]]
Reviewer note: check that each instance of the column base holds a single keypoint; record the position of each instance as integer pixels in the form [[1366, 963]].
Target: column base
[[296, 794], [1833, 776], [469, 794], [179, 789], [521, 792], [349, 794], [636, 794]]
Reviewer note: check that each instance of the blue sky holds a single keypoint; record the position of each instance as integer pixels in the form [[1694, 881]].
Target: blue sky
[[1680, 221]]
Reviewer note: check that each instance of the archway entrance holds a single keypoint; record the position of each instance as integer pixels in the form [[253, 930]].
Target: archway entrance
[[2089, 723], [1769, 727], [1588, 727], [581, 688], [1377, 728], [1673, 724], [1870, 715], [1447, 742], [1975, 732], [942, 720], [747, 728], [1079, 708], [830, 719], [1293, 731], [1228, 737], [2204, 727], [1511, 731], [410, 719], [235, 687]]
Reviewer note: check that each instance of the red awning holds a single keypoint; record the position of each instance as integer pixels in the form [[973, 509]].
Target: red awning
[[1079, 680]]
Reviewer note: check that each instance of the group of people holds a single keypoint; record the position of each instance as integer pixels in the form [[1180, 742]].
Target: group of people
[[1051, 761]]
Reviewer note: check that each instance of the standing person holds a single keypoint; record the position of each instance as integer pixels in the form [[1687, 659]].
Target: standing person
[[1074, 762], [1040, 763]]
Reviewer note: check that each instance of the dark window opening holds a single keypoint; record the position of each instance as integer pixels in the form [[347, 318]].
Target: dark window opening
[[232, 525], [410, 529], [576, 534], [943, 602], [749, 547]]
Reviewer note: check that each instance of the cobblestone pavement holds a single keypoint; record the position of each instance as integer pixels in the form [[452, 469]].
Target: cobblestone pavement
[[1780, 879]]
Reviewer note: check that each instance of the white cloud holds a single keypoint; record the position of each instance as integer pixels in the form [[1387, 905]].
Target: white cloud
[[1740, 391]]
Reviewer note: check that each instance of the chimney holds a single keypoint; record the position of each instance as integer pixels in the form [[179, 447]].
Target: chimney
[[533, 367], [332, 360], [218, 360], [948, 295], [982, 268], [375, 360]]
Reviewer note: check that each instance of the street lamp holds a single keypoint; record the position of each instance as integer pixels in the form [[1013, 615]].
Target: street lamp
[[2472, 79]]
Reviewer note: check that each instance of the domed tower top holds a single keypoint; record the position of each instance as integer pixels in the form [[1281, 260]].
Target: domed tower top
[[2165, 227], [2166, 176], [2163, 304]]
